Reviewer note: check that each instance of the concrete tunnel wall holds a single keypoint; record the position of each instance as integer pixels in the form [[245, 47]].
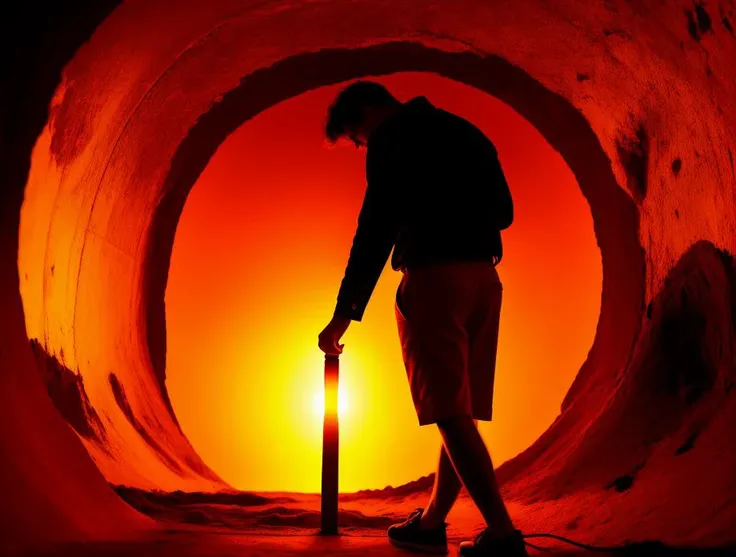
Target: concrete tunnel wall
[[638, 100]]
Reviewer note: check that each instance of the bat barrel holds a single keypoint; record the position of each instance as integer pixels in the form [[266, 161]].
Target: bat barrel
[[330, 447]]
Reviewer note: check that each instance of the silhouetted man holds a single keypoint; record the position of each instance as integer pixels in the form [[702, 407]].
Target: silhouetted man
[[436, 194]]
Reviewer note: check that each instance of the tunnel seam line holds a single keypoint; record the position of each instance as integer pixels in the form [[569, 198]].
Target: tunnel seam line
[[47, 251], [128, 121]]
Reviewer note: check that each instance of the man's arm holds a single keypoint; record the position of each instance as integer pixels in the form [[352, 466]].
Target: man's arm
[[374, 237]]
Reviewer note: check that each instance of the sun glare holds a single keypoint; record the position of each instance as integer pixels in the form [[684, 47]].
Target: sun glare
[[259, 256], [318, 403]]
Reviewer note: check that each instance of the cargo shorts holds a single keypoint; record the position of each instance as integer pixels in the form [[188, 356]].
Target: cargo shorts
[[448, 321]]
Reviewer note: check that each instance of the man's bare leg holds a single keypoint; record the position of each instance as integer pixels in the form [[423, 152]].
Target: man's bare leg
[[472, 463], [446, 489]]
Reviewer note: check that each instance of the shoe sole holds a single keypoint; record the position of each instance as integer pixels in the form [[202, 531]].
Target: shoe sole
[[418, 548]]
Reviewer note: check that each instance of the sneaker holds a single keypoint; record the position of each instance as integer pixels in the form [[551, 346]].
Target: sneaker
[[485, 546], [408, 535]]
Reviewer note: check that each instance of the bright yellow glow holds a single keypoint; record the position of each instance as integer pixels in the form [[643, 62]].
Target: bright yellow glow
[[318, 403]]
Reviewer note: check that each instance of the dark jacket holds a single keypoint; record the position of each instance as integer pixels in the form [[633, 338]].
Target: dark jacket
[[436, 193]]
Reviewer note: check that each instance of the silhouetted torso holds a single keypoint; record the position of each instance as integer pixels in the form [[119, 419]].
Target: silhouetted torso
[[436, 193]]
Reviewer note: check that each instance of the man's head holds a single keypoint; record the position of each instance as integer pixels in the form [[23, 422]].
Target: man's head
[[358, 110]]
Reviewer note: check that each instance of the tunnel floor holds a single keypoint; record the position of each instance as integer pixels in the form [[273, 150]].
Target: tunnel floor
[[187, 544], [190, 541], [248, 524]]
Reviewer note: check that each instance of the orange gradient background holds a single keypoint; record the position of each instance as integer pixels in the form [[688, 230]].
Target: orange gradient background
[[258, 258]]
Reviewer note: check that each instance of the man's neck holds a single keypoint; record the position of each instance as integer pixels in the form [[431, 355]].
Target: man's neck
[[386, 114]]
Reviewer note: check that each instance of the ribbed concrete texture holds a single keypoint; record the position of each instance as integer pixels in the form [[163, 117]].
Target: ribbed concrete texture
[[639, 98]]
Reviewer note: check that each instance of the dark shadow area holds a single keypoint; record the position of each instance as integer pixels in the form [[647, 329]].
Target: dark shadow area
[[66, 390], [121, 399], [192, 544]]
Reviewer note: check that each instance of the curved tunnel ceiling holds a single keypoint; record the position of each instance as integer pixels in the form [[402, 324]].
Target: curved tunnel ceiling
[[639, 103]]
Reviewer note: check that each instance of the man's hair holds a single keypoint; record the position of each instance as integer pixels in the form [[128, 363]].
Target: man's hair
[[346, 110]]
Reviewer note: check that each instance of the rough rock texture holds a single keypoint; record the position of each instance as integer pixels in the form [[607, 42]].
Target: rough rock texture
[[637, 96], [50, 489]]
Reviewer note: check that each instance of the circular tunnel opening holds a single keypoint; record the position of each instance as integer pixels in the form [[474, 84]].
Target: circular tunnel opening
[[259, 253], [108, 244]]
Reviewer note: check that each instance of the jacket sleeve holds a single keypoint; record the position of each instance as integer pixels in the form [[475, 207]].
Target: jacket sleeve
[[501, 202], [374, 238]]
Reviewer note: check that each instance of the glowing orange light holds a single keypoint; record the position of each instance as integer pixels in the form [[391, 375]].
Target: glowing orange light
[[318, 403], [286, 281]]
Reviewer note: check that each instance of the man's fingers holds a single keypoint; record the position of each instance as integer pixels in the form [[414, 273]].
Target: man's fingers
[[328, 342], [330, 346], [336, 348]]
